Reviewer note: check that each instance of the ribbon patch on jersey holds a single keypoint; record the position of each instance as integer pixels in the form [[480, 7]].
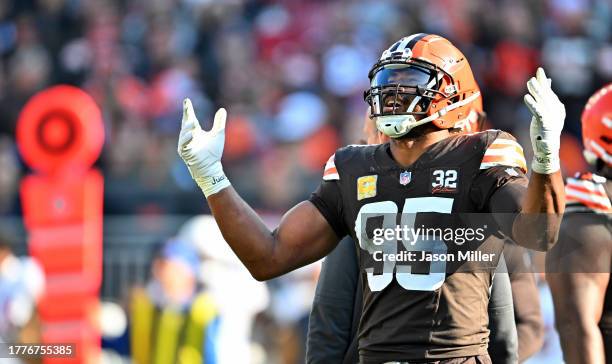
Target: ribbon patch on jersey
[[366, 186], [444, 180]]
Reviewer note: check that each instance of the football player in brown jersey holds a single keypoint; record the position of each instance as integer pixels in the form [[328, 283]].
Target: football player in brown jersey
[[336, 308], [419, 91], [578, 268]]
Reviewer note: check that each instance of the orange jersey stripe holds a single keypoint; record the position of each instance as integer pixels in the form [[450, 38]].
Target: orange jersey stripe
[[329, 171], [504, 141], [515, 148], [588, 203], [586, 190], [505, 160]]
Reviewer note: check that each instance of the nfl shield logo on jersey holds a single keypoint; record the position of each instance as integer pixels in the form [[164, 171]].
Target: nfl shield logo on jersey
[[405, 178]]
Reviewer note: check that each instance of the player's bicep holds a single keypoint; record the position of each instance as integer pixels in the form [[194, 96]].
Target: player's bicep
[[305, 236], [495, 187], [502, 166], [500, 191], [313, 228]]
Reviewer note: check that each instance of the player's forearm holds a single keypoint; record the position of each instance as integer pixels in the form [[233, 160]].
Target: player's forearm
[[545, 194], [582, 342], [303, 235], [530, 338], [537, 226], [245, 233]]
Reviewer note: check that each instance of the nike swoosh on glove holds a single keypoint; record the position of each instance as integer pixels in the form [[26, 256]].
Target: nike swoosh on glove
[[202, 150], [546, 123]]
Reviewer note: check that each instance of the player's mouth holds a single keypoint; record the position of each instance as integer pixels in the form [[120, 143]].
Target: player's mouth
[[399, 104], [394, 104]]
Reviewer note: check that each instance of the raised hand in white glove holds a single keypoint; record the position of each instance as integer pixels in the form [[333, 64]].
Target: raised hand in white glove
[[546, 123], [201, 150]]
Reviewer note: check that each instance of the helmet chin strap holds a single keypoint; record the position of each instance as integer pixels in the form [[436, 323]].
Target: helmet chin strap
[[396, 126]]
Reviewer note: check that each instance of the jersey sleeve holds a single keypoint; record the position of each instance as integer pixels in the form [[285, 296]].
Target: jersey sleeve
[[330, 172], [504, 151], [499, 189], [328, 199], [502, 169], [500, 185]]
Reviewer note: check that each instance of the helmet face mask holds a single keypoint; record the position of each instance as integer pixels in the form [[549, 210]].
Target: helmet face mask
[[401, 89], [408, 89]]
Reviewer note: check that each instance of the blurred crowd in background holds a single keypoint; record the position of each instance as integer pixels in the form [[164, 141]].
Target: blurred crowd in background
[[292, 75]]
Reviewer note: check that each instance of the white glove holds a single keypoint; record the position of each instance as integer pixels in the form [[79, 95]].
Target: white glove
[[201, 150], [546, 124]]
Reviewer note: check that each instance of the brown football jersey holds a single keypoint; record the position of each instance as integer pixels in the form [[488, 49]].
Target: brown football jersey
[[418, 308], [584, 246]]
